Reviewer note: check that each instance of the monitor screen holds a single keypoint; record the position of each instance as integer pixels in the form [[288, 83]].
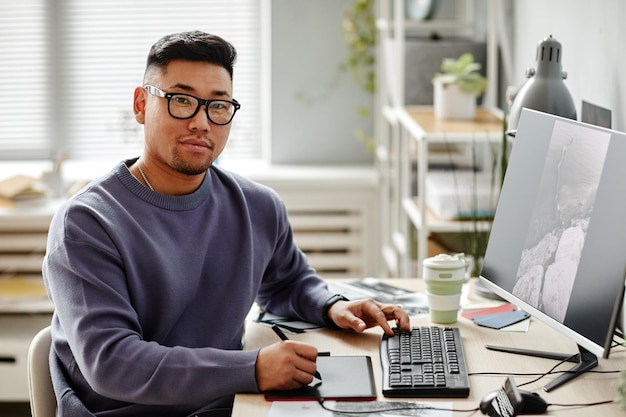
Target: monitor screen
[[557, 247], [595, 115]]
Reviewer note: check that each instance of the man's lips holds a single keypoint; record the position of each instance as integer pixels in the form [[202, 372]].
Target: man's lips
[[197, 142]]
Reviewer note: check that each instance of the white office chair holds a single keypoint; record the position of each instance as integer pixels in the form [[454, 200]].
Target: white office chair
[[43, 402]]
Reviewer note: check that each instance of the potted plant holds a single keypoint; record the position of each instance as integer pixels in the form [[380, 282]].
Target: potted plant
[[457, 87]]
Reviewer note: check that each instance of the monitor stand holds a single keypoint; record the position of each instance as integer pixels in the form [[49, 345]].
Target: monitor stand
[[584, 360], [481, 290]]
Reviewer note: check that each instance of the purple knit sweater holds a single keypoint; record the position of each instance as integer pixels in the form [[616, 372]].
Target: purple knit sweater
[[151, 291]]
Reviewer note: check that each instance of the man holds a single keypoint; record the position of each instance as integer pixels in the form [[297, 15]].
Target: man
[[153, 268]]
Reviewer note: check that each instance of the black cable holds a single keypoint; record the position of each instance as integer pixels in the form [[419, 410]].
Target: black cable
[[505, 373], [524, 374], [583, 404], [616, 344], [549, 372]]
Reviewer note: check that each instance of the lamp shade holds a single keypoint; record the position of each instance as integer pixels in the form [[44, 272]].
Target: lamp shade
[[544, 90]]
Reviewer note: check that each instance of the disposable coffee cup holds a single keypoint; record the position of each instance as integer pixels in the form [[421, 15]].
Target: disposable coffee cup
[[444, 276]]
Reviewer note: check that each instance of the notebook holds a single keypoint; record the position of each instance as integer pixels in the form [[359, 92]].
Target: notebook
[[344, 378]]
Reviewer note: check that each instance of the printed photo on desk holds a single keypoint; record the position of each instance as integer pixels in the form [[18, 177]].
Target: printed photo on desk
[[416, 304], [361, 408]]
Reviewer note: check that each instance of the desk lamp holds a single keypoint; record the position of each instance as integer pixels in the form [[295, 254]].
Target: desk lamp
[[544, 90]]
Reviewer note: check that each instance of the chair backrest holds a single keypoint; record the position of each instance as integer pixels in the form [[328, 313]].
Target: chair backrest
[[42, 399]]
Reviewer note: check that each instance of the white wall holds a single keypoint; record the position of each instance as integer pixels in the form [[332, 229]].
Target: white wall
[[593, 39], [314, 104]]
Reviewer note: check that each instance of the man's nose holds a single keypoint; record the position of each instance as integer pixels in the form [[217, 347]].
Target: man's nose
[[200, 121]]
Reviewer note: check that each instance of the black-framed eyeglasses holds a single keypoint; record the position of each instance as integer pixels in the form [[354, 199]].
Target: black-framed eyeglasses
[[186, 106]]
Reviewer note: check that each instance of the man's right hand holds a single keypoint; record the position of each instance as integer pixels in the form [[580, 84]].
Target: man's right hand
[[285, 365]]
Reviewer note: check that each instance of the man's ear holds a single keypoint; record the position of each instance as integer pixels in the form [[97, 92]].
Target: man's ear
[[139, 104]]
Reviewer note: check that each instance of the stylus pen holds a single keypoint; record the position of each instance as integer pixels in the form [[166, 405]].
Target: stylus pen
[[283, 336]]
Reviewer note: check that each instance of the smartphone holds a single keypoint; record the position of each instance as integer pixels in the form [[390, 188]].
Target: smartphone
[[507, 402]]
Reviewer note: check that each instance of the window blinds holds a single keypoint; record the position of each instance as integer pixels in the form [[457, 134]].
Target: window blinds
[[24, 120], [75, 63]]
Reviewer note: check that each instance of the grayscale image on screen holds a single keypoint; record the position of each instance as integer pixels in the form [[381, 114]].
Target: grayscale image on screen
[[560, 219]]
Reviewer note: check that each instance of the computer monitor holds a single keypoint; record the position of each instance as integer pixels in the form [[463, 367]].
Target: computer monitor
[[557, 247]]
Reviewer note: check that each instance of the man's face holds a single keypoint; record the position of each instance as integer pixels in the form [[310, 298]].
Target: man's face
[[187, 146]]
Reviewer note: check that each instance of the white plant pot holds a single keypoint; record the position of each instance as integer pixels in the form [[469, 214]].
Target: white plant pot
[[452, 103]]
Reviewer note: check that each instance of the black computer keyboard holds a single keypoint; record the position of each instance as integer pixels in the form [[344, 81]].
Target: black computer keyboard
[[424, 362]]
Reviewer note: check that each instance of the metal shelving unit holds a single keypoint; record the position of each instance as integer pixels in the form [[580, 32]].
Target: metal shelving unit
[[404, 135]]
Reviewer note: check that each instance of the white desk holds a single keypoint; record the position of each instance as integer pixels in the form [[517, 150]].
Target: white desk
[[587, 388]]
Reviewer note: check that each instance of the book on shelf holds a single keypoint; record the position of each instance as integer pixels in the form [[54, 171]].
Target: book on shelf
[[20, 187]]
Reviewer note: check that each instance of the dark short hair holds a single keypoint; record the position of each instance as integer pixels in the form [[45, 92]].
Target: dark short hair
[[191, 46]]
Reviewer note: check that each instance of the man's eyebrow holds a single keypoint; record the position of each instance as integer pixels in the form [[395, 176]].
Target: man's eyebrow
[[184, 87], [190, 89], [220, 93]]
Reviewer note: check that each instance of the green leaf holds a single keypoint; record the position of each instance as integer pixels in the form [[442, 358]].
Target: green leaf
[[464, 72]]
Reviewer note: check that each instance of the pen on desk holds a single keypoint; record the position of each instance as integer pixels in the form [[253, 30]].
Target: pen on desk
[[283, 336], [279, 332]]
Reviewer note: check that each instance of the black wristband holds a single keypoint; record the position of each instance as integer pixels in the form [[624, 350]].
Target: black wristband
[[327, 305]]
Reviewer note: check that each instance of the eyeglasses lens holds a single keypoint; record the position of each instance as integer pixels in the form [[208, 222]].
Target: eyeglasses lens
[[183, 107]]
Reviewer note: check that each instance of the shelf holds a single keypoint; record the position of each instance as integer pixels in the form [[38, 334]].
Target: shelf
[[421, 123], [434, 224]]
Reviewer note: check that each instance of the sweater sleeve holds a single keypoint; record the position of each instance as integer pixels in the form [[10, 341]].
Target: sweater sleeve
[[291, 287]]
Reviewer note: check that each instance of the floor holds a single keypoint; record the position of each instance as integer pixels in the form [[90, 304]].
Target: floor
[[14, 409]]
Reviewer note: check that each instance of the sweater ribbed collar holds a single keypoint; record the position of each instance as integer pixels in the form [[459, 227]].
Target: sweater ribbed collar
[[168, 202]]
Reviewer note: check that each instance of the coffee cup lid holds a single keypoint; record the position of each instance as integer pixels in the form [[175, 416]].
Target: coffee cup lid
[[444, 260]]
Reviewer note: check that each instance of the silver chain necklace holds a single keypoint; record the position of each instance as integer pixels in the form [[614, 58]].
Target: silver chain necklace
[[144, 177]]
